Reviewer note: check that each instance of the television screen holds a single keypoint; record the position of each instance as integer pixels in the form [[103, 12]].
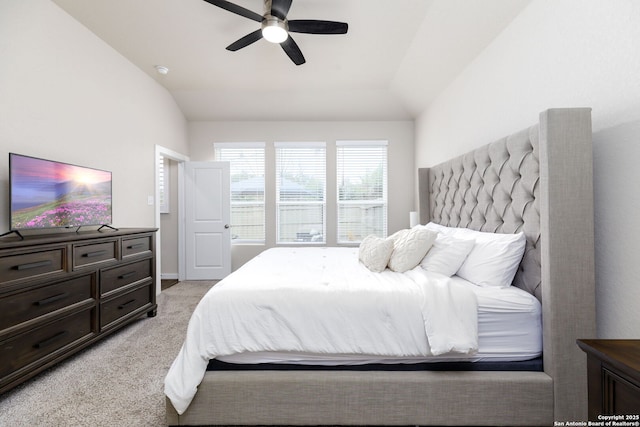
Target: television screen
[[47, 194]]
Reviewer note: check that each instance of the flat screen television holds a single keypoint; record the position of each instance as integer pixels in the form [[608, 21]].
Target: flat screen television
[[50, 194]]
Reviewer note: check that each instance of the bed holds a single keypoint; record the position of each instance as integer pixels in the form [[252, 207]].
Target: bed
[[537, 182]]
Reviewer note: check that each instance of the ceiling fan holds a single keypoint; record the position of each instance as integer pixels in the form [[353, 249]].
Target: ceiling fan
[[275, 27]]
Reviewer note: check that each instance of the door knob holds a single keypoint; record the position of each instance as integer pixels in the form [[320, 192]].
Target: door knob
[[226, 226]]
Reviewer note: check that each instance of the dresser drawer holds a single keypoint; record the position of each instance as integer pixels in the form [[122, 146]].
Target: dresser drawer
[[31, 265], [32, 304], [27, 348], [623, 396], [137, 246], [121, 306], [613, 377], [117, 277], [94, 253]]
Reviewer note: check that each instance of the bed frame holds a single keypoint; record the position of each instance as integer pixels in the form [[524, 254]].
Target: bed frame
[[538, 181]]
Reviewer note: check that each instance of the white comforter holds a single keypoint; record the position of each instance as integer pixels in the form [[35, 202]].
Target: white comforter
[[322, 300]]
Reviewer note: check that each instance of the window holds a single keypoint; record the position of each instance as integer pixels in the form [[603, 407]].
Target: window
[[300, 192], [246, 162], [163, 184], [362, 189]]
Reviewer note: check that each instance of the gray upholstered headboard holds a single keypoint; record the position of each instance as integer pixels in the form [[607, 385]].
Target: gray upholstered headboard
[[539, 181], [494, 188]]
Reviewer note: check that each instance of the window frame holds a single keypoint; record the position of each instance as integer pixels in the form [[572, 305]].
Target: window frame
[[385, 188], [249, 146], [279, 203]]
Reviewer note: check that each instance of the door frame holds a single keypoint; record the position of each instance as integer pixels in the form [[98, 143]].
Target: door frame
[[180, 158]]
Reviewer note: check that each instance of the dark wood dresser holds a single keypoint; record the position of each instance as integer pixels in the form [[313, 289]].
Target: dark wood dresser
[[61, 292], [613, 370]]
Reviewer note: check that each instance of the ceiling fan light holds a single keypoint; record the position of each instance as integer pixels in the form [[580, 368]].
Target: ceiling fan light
[[274, 30]]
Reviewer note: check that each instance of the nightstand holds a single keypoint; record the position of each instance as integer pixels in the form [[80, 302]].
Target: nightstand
[[613, 372]]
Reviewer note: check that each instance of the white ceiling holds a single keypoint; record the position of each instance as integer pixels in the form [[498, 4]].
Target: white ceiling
[[396, 58]]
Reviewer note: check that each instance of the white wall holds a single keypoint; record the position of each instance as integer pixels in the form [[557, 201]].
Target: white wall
[[400, 135], [563, 53], [66, 95]]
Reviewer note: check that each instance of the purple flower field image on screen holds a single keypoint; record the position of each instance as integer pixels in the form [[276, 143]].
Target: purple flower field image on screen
[[48, 194]]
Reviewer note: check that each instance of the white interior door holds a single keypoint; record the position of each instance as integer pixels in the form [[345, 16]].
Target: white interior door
[[207, 219]]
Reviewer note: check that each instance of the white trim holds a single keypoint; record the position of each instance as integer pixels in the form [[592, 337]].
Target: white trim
[[180, 158], [300, 144], [173, 155], [169, 276], [363, 143]]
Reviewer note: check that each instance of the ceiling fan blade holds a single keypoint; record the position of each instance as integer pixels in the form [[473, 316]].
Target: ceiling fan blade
[[245, 41], [312, 26], [234, 8], [293, 51], [280, 8]]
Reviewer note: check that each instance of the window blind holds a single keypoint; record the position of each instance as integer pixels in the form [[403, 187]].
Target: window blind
[[163, 184], [361, 168], [300, 192], [246, 161]]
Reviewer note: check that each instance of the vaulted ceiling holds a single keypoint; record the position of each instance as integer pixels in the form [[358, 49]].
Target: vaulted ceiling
[[395, 59]]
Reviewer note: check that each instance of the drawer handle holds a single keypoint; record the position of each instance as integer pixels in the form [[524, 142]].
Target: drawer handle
[[121, 306], [136, 246], [33, 265], [50, 340], [52, 299], [127, 275], [94, 254]]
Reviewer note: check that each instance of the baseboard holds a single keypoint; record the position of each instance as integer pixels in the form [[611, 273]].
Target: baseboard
[[169, 276]]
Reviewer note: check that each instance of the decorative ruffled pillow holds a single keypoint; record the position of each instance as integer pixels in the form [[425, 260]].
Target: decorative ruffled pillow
[[375, 252], [398, 235], [410, 247]]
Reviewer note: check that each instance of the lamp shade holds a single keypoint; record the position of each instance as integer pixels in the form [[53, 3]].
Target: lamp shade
[[413, 219]]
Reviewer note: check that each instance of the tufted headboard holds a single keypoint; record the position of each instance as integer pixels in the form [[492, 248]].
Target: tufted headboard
[[494, 188], [538, 181]]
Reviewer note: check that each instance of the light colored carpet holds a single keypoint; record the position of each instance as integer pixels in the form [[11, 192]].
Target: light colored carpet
[[116, 382]]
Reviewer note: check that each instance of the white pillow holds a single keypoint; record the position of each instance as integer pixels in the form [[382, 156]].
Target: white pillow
[[494, 258], [409, 248], [446, 255], [374, 252], [438, 228]]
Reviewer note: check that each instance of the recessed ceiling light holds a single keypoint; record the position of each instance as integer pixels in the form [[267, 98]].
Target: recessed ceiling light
[[161, 69]]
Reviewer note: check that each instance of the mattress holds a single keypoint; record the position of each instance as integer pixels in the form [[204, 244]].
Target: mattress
[[509, 330]]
